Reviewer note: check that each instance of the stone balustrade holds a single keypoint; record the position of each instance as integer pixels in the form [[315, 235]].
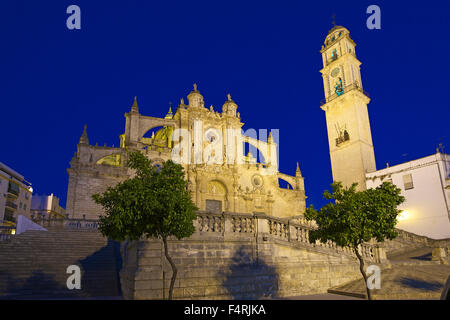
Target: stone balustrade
[[209, 222], [67, 223], [294, 231], [407, 241]]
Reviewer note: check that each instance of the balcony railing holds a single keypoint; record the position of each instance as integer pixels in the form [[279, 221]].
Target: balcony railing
[[6, 232], [334, 58], [341, 139], [353, 86], [9, 217], [13, 189], [11, 205]]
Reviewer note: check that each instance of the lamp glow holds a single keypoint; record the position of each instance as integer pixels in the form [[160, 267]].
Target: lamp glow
[[403, 215]]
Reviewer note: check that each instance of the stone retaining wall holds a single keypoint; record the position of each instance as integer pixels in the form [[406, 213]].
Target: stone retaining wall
[[238, 257]]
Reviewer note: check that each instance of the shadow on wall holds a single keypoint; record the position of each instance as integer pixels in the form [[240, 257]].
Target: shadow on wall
[[247, 278], [100, 276]]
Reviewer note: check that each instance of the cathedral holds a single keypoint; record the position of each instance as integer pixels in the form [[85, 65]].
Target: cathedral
[[209, 144], [223, 178]]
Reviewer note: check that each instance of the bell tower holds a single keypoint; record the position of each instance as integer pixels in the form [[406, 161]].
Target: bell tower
[[345, 106]]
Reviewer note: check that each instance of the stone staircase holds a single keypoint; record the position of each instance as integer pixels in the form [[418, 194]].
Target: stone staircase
[[33, 265], [409, 275]]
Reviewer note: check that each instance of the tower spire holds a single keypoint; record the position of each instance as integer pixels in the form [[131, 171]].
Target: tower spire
[[134, 107], [270, 139], [169, 114], [84, 137], [298, 173]]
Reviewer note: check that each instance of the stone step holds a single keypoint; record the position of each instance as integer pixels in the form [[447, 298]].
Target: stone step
[[54, 255], [56, 273], [29, 235], [56, 269], [59, 239], [52, 239], [34, 264], [101, 278], [54, 245], [59, 268]]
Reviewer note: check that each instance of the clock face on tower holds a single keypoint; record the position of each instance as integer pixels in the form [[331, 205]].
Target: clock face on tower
[[335, 72]]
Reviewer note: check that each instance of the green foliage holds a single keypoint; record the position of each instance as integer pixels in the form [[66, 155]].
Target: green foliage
[[154, 203], [356, 216]]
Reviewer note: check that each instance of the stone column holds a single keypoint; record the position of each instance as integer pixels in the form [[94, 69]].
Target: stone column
[[292, 232], [380, 255], [228, 225], [438, 254], [262, 226]]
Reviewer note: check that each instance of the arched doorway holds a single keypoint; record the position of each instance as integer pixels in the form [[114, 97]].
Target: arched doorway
[[216, 197]]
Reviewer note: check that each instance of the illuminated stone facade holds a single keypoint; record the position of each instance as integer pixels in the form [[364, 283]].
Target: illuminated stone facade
[[345, 105], [211, 149], [424, 182]]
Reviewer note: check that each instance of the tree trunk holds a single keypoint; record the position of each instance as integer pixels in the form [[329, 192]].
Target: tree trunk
[[174, 268], [361, 268]]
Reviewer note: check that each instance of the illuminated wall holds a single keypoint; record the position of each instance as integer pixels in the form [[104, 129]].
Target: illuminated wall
[[425, 184]]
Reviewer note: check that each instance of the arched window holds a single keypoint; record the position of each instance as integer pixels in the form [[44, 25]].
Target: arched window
[[333, 55], [252, 154]]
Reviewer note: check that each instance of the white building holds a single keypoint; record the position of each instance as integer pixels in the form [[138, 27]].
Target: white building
[[15, 195], [46, 206], [425, 184]]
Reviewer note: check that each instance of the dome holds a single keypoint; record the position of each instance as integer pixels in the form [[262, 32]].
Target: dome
[[336, 27], [195, 98], [194, 90], [229, 107], [335, 33], [169, 114]]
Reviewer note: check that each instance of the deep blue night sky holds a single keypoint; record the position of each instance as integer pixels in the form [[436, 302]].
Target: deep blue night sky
[[266, 54]]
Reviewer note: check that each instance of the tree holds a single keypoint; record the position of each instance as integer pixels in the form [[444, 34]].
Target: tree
[[356, 217], [156, 202]]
